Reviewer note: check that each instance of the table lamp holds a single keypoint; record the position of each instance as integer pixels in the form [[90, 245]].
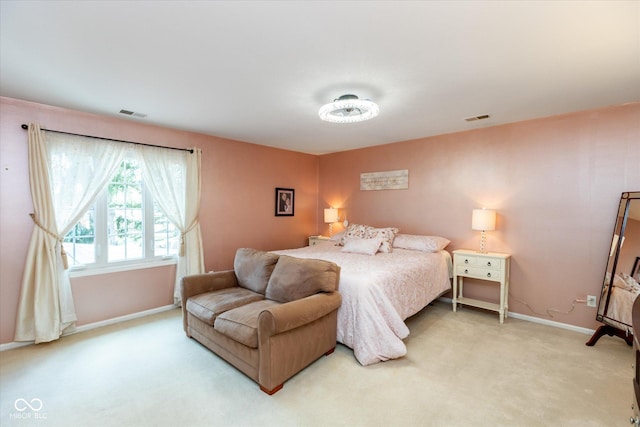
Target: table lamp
[[483, 220], [330, 216]]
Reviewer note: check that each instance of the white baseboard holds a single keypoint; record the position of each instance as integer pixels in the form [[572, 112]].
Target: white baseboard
[[121, 319], [90, 326], [15, 344], [95, 325], [533, 319]]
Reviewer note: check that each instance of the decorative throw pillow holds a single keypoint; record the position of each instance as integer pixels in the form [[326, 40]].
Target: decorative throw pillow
[[253, 268], [354, 230], [420, 243], [296, 278], [387, 235], [357, 245]]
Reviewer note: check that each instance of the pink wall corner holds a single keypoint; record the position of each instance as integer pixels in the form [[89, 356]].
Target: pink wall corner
[[237, 206], [555, 183]]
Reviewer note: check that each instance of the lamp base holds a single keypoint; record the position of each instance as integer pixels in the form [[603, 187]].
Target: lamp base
[[330, 229], [483, 242]]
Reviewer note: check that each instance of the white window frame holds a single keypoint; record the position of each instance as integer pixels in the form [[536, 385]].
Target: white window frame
[[102, 265]]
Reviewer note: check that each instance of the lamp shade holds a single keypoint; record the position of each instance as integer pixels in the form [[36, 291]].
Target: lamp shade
[[483, 220], [330, 215]]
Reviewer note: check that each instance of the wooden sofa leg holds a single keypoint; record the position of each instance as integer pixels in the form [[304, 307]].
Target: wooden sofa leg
[[273, 391], [330, 351]]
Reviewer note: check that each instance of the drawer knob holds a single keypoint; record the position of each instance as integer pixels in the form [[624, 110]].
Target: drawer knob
[[488, 274], [466, 271], [466, 261], [488, 263]]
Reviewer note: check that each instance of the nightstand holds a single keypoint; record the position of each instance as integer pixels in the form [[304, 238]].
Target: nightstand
[[491, 266], [314, 240]]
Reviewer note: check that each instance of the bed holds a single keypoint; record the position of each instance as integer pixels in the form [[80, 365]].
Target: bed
[[623, 294], [379, 292]]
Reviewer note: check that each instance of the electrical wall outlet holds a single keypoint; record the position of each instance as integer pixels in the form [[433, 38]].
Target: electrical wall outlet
[[591, 300]]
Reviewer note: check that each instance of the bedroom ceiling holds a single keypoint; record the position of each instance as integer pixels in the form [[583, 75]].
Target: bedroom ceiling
[[259, 71]]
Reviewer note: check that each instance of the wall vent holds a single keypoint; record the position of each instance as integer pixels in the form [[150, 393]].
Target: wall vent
[[132, 113], [474, 118]]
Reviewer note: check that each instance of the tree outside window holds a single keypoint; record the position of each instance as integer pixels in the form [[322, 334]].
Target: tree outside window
[[119, 220]]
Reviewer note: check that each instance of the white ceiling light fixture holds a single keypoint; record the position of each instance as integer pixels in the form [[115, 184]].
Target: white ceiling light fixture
[[349, 109]]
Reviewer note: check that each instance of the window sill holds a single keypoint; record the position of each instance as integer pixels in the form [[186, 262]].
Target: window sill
[[95, 271]]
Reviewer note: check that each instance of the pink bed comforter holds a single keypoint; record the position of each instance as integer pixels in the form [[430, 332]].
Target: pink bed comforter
[[378, 293]]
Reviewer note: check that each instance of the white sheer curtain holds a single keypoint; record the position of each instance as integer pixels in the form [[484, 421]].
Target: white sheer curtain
[[66, 174], [173, 177]]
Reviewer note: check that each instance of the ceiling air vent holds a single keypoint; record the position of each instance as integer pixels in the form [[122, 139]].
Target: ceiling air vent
[[132, 113], [474, 118]]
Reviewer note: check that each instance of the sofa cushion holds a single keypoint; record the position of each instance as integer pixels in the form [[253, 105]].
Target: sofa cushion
[[296, 278], [241, 324], [208, 306], [253, 268]]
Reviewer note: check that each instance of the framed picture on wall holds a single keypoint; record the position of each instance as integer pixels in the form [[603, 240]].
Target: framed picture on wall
[[285, 199]]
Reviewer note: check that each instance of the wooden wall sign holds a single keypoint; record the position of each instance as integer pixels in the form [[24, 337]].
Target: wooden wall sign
[[388, 180]]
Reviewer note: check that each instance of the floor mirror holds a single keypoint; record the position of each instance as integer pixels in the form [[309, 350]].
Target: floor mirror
[[620, 285]]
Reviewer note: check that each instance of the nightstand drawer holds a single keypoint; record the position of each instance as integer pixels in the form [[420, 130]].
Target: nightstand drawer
[[481, 262], [314, 240], [479, 272]]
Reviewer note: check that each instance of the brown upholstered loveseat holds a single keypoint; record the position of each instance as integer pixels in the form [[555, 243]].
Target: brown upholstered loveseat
[[270, 316]]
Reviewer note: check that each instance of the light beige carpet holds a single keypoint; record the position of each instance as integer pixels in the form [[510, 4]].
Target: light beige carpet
[[462, 369]]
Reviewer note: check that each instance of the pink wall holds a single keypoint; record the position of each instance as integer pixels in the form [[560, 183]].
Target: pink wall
[[555, 182], [112, 295], [237, 208]]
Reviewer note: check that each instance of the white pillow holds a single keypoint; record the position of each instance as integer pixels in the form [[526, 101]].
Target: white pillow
[[357, 245], [420, 243], [337, 237]]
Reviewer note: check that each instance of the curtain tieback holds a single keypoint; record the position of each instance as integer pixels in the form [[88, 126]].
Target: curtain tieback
[[182, 242], [63, 253]]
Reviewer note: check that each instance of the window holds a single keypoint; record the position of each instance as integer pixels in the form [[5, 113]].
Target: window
[[124, 225], [79, 243]]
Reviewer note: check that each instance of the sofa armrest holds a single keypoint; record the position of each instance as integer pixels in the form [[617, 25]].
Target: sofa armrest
[[291, 315], [197, 284]]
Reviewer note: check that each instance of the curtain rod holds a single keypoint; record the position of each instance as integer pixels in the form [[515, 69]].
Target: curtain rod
[[109, 139]]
